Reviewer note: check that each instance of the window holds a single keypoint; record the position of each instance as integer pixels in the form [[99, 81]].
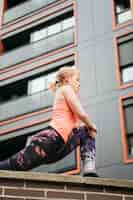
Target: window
[[125, 48], [40, 84], [13, 91], [26, 87], [38, 35], [127, 74], [67, 23], [36, 85], [39, 32], [56, 28], [128, 116], [32, 85], [49, 79], [52, 29], [123, 11]]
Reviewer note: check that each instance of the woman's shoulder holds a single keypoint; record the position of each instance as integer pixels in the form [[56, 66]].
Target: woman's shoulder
[[61, 91], [68, 90], [63, 88], [67, 87]]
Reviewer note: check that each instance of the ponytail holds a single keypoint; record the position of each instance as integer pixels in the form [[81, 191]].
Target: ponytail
[[53, 85], [61, 76]]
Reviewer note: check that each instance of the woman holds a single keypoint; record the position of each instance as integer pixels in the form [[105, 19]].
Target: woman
[[64, 132]]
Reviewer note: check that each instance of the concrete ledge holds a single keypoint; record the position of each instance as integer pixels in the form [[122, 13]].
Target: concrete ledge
[[56, 178]]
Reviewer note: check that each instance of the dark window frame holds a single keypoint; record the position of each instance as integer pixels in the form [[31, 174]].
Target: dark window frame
[[126, 158], [28, 32], [116, 25], [120, 84]]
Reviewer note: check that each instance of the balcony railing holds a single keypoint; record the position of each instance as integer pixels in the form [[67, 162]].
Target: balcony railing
[[25, 105], [25, 8], [32, 50]]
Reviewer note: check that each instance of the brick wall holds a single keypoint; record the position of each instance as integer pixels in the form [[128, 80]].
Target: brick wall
[[39, 186]]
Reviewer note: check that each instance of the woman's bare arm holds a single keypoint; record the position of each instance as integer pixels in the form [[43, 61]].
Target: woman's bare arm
[[76, 106]]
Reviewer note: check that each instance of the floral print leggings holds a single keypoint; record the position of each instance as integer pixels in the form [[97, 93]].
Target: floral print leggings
[[48, 146]]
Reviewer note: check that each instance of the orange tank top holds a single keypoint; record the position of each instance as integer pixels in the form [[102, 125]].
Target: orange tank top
[[63, 119]]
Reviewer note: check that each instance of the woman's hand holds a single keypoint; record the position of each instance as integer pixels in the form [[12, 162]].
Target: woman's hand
[[92, 131]]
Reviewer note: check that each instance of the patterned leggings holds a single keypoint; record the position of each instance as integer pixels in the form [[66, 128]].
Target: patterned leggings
[[48, 146]]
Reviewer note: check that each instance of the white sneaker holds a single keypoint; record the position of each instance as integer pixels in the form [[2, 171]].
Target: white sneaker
[[89, 168]]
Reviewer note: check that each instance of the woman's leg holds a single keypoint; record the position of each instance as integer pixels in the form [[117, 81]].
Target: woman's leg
[[5, 165], [87, 149], [88, 155], [41, 148]]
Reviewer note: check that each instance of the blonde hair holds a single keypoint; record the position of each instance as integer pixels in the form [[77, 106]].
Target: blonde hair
[[62, 75]]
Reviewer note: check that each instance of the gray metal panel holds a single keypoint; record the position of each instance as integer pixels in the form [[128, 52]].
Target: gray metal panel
[[102, 17], [109, 150], [105, 65], [32, 50], [43, 17], [26, 121], [1, 3], [24, 131], [117, 171], [25, 105], [25, 8], [85, 20], [87, 70]]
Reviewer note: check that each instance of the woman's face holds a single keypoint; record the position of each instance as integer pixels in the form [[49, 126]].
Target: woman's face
[[75, 82]]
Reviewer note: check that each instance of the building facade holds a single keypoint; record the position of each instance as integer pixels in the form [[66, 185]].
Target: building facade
[[39, 37]]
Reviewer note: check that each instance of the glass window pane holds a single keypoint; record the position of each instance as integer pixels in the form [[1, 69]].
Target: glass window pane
[[123, 17], [38, 35], [127, 74], [56, 28], [128, 116], [130, 145], [122, 5], [126, 52], [67, 23], [125, 38], [50, 78], [129, 119], [128, 102], [36, 85], [123, 10]]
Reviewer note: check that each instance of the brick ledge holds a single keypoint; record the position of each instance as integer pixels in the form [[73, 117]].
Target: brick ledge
[[75, 179]]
